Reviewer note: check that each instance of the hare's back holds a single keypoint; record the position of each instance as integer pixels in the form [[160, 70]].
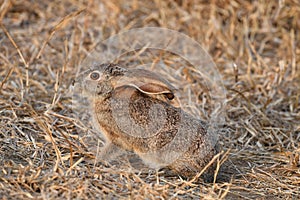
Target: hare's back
[[154, 121]]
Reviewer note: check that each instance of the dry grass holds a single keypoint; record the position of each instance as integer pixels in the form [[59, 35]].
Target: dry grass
[[44, 153]]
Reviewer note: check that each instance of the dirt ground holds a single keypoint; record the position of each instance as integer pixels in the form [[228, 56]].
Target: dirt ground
[[45, 149]]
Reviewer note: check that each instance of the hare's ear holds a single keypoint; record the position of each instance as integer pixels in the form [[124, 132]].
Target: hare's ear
[[115, 70], [147, 82], [155, 88]]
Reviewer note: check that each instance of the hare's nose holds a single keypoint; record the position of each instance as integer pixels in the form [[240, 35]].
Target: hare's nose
[[73, 82], [77, 80]]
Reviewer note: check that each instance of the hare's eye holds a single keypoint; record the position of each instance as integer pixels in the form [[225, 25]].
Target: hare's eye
[[95, 75]]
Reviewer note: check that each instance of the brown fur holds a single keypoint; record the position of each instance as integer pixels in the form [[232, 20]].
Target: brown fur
[[168, 137]]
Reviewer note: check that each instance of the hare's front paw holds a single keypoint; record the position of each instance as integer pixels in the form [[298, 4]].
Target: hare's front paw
[[108, 153]]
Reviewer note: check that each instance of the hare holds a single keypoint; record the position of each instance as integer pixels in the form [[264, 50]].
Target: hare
[[132, 109]]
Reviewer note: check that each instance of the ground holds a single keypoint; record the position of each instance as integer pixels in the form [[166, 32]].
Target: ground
[[44, 151]]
